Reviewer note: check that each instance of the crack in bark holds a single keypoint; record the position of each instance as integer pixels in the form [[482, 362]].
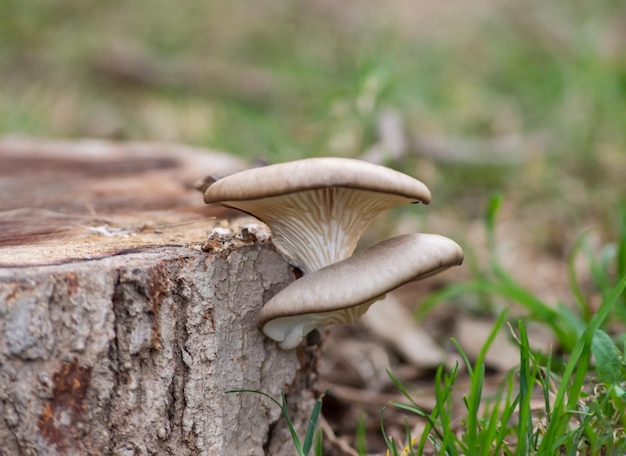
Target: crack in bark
[[119, 377], [181, 370]]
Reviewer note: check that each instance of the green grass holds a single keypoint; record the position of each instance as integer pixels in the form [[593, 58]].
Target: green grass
[[585, 403], [584, 409]]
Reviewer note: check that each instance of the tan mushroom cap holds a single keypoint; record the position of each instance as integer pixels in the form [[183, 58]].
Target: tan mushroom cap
[[312, 174], [317, 208], [343, 291]]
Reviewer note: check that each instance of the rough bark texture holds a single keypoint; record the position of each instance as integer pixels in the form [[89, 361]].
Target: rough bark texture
[[118, 333]]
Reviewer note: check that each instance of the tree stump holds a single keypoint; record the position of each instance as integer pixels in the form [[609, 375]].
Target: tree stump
[[118, 333]]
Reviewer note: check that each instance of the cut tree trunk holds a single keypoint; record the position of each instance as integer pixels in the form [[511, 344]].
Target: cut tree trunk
[[119, 333]]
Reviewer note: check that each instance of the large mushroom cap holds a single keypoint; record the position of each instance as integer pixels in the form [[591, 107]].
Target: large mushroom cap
[[313, 174], [317, 208], [343, 291]]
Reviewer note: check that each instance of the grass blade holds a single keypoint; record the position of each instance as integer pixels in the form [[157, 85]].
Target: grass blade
[[361, 436], [292, 429], [312, 426], [391, 445], [524, 434]]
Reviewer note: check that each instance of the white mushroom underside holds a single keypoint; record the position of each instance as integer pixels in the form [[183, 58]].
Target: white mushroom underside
[[315, 228], [290, 331]]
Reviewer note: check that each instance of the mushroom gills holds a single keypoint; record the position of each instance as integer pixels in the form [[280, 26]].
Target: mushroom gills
[[315, 228]]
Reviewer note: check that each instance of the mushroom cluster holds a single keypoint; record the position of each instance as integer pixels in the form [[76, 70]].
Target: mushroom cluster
[[316, 210]]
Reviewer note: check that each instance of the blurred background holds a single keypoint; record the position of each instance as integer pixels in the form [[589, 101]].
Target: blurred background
[[526, 99]]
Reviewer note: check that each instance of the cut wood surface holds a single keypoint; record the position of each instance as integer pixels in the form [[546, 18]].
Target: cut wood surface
[[119, 333]]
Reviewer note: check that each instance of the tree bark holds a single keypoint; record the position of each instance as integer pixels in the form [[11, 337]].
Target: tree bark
[[119, 334]]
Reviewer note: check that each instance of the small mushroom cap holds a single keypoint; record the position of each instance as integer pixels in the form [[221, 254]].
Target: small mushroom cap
[[314, 173], [343, 291]]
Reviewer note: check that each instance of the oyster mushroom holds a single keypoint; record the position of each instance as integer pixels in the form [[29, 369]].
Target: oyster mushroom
[[343, 291], [317, 208]]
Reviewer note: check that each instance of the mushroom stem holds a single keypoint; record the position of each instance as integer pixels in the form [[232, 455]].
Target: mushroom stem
[[299, 328]]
